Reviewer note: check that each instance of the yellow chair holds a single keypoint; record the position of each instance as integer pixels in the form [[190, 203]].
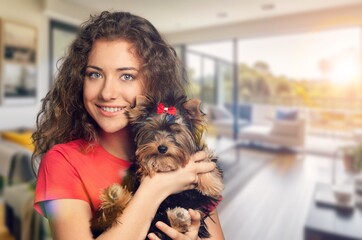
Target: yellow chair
[[22, 138]]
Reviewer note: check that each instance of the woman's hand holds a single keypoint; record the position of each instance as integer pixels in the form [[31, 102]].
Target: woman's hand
[[192, 234], [183, 178]]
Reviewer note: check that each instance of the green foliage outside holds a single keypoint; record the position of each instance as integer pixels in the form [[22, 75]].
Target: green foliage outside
[[258, 85]]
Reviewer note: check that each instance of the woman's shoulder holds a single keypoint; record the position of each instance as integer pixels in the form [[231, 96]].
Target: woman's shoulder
[[73, 154], [78, 147]]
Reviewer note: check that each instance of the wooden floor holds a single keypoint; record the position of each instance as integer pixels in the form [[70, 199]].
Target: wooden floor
[[274, 203]]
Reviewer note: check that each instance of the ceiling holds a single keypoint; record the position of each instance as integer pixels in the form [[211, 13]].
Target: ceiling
[[182, 15]]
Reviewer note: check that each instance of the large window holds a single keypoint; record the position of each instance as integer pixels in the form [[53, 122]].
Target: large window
[[210, 71], [317, 72], [318, 69]]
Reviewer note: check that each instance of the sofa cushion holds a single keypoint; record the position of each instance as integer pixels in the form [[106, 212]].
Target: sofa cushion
[[285, 128], [287, 114], [17, 196]]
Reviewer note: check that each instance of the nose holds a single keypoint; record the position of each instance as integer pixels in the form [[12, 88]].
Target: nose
[[109, 90], [162, 149]]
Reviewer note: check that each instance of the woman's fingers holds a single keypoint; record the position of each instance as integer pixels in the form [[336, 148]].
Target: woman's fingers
[[199, 156], [169, 231], [184, 178], [153, 236], [195, 220], [199, 165], [204, 167]]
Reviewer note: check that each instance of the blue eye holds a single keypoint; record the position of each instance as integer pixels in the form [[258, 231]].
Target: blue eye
[[94, 75], [127, 77]]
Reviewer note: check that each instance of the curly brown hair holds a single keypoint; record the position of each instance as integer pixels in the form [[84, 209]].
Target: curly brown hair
[[63, 117]]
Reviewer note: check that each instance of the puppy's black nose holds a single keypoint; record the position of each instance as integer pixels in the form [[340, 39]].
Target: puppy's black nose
[[162, 149]]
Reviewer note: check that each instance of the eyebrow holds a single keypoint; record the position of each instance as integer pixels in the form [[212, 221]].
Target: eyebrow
[[118, 69]]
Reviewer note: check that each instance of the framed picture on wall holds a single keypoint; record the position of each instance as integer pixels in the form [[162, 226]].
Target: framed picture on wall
[[18, 63]]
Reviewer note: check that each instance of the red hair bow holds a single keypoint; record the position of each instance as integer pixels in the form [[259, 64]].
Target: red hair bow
[[169, 110]]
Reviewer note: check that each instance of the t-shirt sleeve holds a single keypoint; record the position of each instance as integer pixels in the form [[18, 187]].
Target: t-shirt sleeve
[[57, 179]]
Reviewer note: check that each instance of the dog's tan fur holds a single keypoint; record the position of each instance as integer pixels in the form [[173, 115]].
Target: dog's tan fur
[[180, 146]]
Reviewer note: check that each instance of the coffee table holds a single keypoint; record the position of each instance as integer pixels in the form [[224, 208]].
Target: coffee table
[[326, 222]]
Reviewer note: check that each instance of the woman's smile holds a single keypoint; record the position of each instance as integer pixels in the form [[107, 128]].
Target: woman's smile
[[111, 109]]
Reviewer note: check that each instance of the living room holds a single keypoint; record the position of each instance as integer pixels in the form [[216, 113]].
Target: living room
[[279, 81]]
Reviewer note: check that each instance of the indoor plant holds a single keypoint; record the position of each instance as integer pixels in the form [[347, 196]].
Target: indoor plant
[[352, 158]]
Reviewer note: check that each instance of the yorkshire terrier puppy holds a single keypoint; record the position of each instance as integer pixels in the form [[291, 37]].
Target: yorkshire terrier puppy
[[166, 134]]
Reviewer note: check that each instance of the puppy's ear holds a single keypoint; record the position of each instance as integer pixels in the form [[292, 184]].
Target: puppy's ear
[[197, 117], [141, 100], [193, 107], [138, 112]]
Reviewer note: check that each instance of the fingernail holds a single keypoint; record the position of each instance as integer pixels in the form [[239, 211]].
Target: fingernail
[[158, 224]]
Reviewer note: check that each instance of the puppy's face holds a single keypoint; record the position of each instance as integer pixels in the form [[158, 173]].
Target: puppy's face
[[164, 139], [163, 143]]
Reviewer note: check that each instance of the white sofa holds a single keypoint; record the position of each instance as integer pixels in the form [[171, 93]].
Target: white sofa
[[279, 126], [223, 121], [267, 125], [283, 133]]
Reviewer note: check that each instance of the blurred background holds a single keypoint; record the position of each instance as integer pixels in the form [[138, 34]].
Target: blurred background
[[280, 80]]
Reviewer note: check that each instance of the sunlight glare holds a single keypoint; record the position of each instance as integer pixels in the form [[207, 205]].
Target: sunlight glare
[[345, 70]]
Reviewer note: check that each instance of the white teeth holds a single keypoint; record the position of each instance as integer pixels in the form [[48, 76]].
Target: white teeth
[[111, 109]]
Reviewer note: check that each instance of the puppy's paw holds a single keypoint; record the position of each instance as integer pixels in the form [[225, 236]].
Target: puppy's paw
[[112, 193], [179, 218], [114, 200]]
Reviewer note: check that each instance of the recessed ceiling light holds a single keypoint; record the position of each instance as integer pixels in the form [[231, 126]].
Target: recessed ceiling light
[[267, 6]]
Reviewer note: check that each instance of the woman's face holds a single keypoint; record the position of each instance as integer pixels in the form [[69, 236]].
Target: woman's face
[[111, 83]]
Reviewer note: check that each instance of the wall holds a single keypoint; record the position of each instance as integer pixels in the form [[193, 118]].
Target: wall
[[28, 12], [35, 13]]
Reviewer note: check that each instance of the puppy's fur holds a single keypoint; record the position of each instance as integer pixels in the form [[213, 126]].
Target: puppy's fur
[[165, 142]]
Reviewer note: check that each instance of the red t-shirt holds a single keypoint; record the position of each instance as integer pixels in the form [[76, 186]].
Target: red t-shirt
[[69, 171]]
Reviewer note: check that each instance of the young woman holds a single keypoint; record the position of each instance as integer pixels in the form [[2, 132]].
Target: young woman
[[83, 138]]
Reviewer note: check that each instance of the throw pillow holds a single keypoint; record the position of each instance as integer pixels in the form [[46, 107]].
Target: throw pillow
[[283, 114]]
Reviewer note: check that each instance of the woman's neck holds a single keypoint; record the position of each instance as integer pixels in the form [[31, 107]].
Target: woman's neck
[[119, 144]]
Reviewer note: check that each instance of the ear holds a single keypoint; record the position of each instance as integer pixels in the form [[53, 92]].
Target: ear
[[138, 112], [197, 117], [193, 107]]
